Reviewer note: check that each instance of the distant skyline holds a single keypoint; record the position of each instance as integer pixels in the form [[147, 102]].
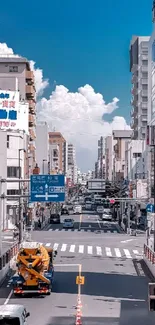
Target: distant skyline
[[79, 45]]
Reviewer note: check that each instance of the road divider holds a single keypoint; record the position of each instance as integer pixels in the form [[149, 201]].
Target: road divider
[[80, 221], [79, 281]]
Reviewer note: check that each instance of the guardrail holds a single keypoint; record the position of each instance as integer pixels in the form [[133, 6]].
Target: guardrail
[[8, 255]]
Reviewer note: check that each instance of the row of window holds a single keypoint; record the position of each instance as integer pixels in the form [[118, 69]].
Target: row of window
[[13, 172]]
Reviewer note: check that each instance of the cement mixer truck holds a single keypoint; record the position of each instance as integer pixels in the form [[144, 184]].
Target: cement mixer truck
[[35, 270]]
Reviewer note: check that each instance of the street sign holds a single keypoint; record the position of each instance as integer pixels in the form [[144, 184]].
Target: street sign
[[47, 188], [150, 207], [80, 280]]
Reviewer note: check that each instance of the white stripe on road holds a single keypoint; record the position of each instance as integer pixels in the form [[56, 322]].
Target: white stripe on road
[[72, 249], [81, 249], [108, 251], [55, 247], [48, 244], [99, 250], [127, 253], [55, 229], [63, 248], [90, 250], [117, 252]]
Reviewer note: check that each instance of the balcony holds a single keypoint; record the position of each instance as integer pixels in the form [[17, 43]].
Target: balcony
[[30, 91], [144, 68], [32, 120], [134, 111], [144, 81], [143, 118], [134, 68], [32, 106], [144, 93], [144, 105], [134, 90], [32, 134], [29, 75], [134, 122], [134, 78], [144, 57]]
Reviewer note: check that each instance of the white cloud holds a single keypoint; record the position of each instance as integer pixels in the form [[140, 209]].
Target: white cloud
[[79, 117], [40, 83]]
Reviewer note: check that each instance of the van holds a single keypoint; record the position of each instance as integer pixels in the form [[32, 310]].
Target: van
[[13, 315]]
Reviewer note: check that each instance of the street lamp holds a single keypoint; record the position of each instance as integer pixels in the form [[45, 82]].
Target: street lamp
[[44, 166], [20, 210]]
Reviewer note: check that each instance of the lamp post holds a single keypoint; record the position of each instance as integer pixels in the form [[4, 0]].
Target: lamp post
[[20, 188], [44, 166]]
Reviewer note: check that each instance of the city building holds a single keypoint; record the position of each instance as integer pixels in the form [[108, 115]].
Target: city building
[[72, 166], [16, 75], [121, 137], [58, 151], [42, 147], [139, 68], [109, 157], [100, 163]]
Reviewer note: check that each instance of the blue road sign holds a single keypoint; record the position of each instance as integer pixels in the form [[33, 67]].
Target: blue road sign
[[150, 208], [47, 188]]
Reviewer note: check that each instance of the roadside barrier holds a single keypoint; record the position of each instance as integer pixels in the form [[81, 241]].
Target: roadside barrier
[[7, 256], [78, 319], [149, 254]]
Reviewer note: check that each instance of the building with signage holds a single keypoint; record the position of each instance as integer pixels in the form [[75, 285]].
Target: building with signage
[[139, 90], [16, 75]]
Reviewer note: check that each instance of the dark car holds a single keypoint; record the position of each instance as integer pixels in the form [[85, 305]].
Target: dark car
[[54, 218], [65, 211]]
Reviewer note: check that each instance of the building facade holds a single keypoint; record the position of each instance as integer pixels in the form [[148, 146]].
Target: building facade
[[72, 166], [139, 68], [42, 147], [16, 75], [109, 157], [58, 143]]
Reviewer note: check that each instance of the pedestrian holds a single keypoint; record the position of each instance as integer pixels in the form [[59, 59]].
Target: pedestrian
[[39, 223]]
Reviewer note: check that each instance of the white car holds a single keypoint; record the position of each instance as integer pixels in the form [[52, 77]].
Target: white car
[[68, 223], [100, 209], [107, 216], [77, 209]]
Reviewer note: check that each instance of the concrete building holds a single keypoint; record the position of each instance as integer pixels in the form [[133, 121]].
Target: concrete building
[[72, 166], [121, 137], [109, 157], [16, 74], [58, 147], [42, 147], [139, 101]]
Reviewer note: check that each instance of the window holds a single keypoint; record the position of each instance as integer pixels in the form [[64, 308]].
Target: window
[[13, 172], [8, 139], [144, 99], [145, 62], [13, 68], [144, 87], [12, 192], [137, 154], [144, 75]]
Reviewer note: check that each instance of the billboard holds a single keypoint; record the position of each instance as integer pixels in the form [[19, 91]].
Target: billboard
[[13, 114], [96, 185]]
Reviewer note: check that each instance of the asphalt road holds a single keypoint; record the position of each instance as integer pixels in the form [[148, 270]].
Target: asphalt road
[[115, 289]]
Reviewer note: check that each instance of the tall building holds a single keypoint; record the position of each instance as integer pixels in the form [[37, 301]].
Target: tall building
[[42, 147], [139, 101], [109, 157], [58, 152], [16, 75], [72, 166]]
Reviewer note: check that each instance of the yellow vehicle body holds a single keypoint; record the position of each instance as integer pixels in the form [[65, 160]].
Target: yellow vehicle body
[[33, 261]]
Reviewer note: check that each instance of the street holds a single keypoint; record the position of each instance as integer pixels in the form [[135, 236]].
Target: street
[[115, 289]]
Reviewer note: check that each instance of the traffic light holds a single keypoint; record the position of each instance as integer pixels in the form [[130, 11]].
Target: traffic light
[[151, 296]]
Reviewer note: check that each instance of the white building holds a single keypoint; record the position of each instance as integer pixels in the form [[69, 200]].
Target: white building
[[139, 69], [109, 157], [72, 166], [135, 158], [42, 147]]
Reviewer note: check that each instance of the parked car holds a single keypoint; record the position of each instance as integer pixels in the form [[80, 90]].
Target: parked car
[[64, 210], [68, 223], [77, 209], [54, 218], [107, 216]]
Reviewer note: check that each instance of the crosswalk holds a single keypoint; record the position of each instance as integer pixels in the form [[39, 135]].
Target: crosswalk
[[113, 231], [96, 250]]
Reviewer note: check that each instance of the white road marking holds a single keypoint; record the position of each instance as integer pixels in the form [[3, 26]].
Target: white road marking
[[81, 249], [99, 224], [99, 250], [127, 240], [108, 251], [8, 298], [56, 229], [55, 247], [48, 244], [127, 253], [90, 249], [72, 249], [117, 252], [63, 248]]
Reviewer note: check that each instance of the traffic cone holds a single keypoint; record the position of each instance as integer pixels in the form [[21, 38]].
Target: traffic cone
[[78, 321]]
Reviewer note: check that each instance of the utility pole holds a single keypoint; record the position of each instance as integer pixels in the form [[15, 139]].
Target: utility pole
[[20, 186]]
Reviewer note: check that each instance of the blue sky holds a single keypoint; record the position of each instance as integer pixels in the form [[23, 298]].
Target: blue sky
[[79, 42]]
